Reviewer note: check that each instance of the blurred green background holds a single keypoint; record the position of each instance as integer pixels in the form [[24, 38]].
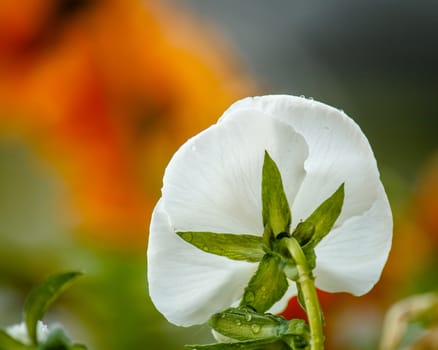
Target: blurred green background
[[96, 95]]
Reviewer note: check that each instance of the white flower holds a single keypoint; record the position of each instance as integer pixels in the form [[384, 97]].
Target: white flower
[[213, 183], [19, 332]]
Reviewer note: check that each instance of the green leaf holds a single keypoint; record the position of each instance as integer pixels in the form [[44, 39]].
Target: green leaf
[[232, 246], [325, 216], [267, 286], [244, 323], [276, 212], [9, 343], [78, 347], [259, 344], [42, 296]]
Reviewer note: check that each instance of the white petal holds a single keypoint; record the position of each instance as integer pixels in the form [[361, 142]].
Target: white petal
[[213, 182], [351, 257], [19, 332], [338, 152], [186, 284]]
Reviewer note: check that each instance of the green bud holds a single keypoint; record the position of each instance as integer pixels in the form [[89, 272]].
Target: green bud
[[245, 324]]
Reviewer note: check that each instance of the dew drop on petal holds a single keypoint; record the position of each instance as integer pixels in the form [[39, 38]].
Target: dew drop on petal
[[193, 148], [248, 317]]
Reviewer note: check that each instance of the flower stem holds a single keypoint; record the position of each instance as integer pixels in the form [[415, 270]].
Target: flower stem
[[305, 283]]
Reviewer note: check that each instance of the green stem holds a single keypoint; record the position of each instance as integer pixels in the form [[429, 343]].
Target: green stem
[[306, 283]]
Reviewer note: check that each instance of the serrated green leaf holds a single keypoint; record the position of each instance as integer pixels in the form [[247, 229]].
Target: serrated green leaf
[[245, 324], [267, 286], [276, 211], [232, 246], [259, 344], [325, 216], [42, 296], [9, 343]]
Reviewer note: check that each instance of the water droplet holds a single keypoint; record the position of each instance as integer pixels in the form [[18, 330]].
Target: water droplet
[[302, 96], [311, 98], [193, 148], [255, 328], [205, 248], [249, 297], [238, 322], [248, 317]]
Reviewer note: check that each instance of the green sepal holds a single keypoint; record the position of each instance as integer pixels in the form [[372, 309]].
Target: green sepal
[[276, 213], [281, 250], [42, 296], [267, 285], [9, 343], [309, 253], [268, 237], [237, 247], [258, 344], [325, 216], [300, 297], [304, 232]]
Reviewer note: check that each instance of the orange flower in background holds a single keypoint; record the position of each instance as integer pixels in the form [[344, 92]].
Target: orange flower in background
[[426, 198], [108, 90]]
